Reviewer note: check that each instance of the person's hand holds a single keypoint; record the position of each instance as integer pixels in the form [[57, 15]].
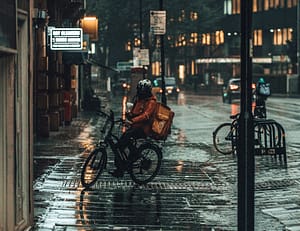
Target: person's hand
[[128, 115], [129, 121]]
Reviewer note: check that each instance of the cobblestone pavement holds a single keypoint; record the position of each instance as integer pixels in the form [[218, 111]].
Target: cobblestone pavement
[[186, 195]]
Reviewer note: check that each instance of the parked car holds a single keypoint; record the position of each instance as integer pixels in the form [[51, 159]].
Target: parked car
[[170, 86], [232, 90]]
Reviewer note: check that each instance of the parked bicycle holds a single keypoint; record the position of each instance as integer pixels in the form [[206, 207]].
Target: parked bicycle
[[226, 134], [143, 161]]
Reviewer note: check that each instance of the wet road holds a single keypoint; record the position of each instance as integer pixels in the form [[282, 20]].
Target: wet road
[[196, 188]]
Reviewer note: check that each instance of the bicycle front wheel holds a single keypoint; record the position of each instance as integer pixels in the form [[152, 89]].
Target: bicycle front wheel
[[222, 138], [93, 167], [147, 165]]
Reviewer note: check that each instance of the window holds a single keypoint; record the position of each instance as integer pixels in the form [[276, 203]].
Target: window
[[280, 36], [266, 5], [236, 6], [216, 38], [257, 37], [273, 4], [219, 37], [227, 7], [291, 3], [258, 5], [206, 39], [194, 16], [194, 38]]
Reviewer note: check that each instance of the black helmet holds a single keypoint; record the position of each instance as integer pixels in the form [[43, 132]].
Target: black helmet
[[144, 88]]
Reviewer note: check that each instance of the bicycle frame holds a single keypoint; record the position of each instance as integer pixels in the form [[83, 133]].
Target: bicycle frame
[[142, 162], [109, 138]]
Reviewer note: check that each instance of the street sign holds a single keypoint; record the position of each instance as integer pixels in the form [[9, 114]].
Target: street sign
[[66, 39], [140, 57], [124, 66], [158, 22]]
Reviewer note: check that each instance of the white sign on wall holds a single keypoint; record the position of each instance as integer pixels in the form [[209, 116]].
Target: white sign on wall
[[66, 39]]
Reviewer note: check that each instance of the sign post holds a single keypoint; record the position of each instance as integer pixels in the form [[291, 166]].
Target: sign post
[[158, 27], [245, 147]]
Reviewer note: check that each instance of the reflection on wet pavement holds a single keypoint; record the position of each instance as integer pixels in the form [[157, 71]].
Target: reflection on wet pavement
[[196, 188]]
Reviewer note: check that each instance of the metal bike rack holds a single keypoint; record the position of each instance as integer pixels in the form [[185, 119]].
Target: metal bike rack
[[269, 139]]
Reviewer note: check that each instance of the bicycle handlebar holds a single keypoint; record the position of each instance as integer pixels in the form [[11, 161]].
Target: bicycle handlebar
[[110, 121], [234, 116]]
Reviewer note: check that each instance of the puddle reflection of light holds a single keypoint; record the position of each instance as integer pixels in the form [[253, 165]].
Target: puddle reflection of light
[[179, 167], [124, 110], [81, 206], [85, 139], [181, 136], [181, 99]]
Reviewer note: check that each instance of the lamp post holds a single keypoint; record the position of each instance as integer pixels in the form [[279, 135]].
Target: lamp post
[[298, 44], [162, 57], [245, 147]]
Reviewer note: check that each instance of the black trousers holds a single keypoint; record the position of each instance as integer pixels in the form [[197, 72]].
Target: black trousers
[[133, 132], [260, 108]]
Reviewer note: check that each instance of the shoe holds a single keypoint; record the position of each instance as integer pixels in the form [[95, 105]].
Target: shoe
[[117, 173]]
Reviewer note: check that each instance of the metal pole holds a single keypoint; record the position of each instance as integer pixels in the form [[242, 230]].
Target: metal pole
[[141, 25], [298, 43], [141, 34], [162, 57], [245, 148]]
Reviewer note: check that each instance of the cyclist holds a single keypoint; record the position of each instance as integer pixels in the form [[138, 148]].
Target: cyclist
[[140, 120], [262, 92]]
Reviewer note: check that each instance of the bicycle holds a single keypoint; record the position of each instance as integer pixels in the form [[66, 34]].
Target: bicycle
[[226, 134], [143, 161]]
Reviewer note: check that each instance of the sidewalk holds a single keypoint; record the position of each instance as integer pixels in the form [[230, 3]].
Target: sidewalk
[[186, 195]]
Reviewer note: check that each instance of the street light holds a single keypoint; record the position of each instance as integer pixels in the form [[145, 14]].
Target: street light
[[162, 56]]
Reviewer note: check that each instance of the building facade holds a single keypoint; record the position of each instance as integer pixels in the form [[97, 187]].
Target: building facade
[[16, 117], [37, 86], [210, 58]]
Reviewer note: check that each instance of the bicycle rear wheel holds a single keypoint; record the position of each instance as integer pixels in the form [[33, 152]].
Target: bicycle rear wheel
[[222, 138], [93, 167], [147, 165]]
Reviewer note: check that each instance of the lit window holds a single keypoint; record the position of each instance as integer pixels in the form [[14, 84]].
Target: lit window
[[266, 5], [194, 16], [254, 5], [291, 3], [137, 42], [128, 46], [280, 36], [257, 38], [227, 7], [194, 38], [219, 37], [236, 6], [206, 39]]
